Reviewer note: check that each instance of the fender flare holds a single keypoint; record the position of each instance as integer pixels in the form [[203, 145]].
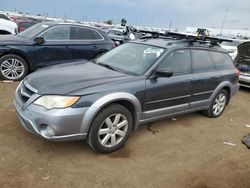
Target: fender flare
[[220, 87], [107, 99]]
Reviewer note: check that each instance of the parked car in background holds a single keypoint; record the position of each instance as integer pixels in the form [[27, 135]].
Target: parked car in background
[[46, 44], [138, 82], [231, 47], [5, 16], [23, 25], [117, 35], [242, 62], [7, 27]]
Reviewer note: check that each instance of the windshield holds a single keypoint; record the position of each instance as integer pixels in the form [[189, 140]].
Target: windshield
[[131, 58], [34, 30]]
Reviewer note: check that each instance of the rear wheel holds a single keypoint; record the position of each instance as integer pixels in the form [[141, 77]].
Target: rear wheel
[[13, 67], [218, 105], [110, 129]]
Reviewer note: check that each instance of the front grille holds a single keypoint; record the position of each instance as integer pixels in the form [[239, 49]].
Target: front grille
[[25, 91]]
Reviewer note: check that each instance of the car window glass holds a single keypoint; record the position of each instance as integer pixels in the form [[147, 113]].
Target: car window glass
[[131, 58], [179, 62], [111, 32], [81, 33], [118, 33], [4, 17], [221, 60], [95, 35], [202, 61], [57, 33]]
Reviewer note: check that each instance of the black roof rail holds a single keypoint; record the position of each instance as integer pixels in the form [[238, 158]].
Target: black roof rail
[[187, 37]]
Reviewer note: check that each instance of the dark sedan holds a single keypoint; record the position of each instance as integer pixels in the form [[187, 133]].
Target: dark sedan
[[48, 44]]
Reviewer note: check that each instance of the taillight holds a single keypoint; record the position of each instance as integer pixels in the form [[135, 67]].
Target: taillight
[[113, 45], [238, 73]]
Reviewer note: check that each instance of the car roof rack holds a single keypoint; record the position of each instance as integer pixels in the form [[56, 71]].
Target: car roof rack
[[185, 37]]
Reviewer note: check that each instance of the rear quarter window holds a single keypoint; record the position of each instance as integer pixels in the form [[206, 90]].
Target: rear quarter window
[[221, 60], [81, 33]]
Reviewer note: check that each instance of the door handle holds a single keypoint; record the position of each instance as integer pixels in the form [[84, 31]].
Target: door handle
[[95, 47]]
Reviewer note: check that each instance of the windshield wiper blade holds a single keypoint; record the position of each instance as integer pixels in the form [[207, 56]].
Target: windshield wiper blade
[[107, 66]]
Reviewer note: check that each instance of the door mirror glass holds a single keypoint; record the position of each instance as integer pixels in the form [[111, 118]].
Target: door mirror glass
[[164, 72], [39, 40]]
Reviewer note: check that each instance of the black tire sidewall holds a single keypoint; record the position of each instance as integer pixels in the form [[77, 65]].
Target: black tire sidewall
[[210, 111], [93, 140], [9, 56]]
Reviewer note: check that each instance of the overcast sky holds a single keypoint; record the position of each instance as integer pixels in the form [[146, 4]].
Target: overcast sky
[[157, 13]]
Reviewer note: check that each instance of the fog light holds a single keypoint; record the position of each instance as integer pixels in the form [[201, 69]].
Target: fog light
[[50, 131]]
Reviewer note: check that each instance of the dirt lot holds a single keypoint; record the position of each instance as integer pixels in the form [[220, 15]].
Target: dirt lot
[[188, 152]]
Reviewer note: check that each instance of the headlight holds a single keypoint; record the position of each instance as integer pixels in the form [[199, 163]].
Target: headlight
[[53, 101]]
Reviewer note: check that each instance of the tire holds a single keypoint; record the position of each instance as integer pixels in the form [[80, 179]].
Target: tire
[[218, 105], [105, 136], [13, 67]]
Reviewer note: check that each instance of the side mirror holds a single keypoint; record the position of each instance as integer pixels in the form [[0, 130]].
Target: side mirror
[[164, 72], [39, 40]]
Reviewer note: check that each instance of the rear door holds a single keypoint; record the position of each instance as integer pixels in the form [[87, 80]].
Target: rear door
[[85, 42], [205, 77], [166, 95]]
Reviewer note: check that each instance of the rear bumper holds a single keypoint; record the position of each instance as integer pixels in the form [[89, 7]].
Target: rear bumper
[[235, 88], [244, 81]]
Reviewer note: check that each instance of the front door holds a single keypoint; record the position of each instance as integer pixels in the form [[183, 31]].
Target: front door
[[167, 95], [55, 49]]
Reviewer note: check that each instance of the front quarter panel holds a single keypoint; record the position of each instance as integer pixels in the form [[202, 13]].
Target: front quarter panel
[[107, 99]]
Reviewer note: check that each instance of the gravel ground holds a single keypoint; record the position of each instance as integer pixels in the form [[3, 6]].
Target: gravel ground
[[188, 151]]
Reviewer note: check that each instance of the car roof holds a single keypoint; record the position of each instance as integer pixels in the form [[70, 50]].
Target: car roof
[[54, 23], [170, 43]]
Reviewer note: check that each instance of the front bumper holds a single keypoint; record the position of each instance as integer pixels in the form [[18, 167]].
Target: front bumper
[[66, 123], [244, 80]]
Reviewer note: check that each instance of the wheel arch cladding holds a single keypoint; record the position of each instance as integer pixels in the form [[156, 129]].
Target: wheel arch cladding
[[226, 85], [228, 90], [126, 99]]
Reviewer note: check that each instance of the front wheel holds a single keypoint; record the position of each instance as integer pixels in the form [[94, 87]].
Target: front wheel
[[218, 105], [13, 67], [110, 129]]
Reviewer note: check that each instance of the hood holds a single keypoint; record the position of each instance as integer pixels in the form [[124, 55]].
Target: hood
[[243, 56], [14, 40], [70, 77]]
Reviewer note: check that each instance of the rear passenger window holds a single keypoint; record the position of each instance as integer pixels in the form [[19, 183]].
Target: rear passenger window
[[179, 62], [221, 60], [95, 35], [80, 33], [202, 61]]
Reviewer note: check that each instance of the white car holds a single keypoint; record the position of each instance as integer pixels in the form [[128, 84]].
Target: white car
[[231, 47], [7, 27]]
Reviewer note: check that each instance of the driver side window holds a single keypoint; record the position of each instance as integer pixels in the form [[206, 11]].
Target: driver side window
[[178, 61], [57, 33]]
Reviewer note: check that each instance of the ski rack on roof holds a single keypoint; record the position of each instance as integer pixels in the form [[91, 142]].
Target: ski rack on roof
[[214, 41]]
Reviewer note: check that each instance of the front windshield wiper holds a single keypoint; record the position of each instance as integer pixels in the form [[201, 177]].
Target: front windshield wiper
[[106, 65]]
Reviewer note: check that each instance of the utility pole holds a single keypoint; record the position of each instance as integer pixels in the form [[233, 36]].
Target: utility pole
[[224, 19]]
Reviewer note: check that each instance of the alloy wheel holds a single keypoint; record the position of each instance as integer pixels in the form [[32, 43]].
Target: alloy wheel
[[219, 104], [12, 68], [113, 130]]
